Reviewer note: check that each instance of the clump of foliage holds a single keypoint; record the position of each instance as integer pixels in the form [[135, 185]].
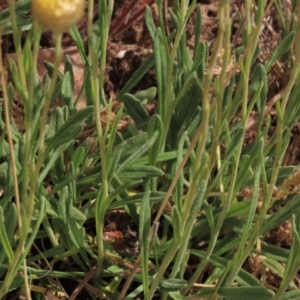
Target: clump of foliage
[[201, 199]]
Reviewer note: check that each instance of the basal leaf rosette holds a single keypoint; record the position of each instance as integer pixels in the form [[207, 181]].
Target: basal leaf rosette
[[57, 15]]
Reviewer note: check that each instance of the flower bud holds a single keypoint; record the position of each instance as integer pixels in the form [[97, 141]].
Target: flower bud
[[57, 15]]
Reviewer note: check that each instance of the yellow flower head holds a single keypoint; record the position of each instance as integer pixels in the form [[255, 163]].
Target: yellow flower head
[[57, 15]]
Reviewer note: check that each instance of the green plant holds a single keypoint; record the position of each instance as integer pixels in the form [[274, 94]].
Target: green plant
[[218, 198]]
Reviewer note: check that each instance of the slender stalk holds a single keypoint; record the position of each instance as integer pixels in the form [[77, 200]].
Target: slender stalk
[[103, 191], [20, 249], [35, 169], [242, 255], [3, 76], [245, 80], [166, 117], [17, 43], [26, 281], [215, 149], [28, 156], [50, 233], [203, 128], [224, 18], [30, 207], [98, 76], [161, 271], [277, 159]]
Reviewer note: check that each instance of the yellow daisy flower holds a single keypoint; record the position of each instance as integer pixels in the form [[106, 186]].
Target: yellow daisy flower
[[57, 15]]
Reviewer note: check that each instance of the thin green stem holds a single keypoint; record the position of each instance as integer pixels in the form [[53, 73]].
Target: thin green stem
[[98, 76], [277, 159], [50, 233], [103, 191], [26, 281], [223, 17], [17, 44], [28, 156], [276, 164], [35, 168], [20, 250], [245, 80], [3, 76], [220, 93], [161, 271], [184, 14], [200, 137]]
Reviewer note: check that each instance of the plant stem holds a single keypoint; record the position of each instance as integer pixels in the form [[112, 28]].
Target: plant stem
[[29, 157], [17, 43], [160, 273], [35, 169], [167, 113], [223, 14], [3, 76], [98, 76], [20, 250]]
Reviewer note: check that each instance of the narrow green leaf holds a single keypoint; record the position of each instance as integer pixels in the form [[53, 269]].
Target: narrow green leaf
[[186, 113], [174, 18], [155, 125], [135, 109], [197, 29], [137, 198], [292, 112], [173, 285], [260, 77], [114, 162], [4, 239], [177, 225], [282, 48], [70, 130], [146, 170], [180, 182], [88, 89], [78, 156], [120, 189], [137, 76], [235, 142], [198, 201], [79, 44], [243, 277], [283, 173], [144, 231], [293, 263], [275, 253], [67, 91], [285, 213], [139, 152], [149, 22], [160, 157], [62, 204], [148, 94], [242, 174], [113, 132], [161, 58], [140, 72], [209, 215], [17, 83], [49, 165], [50, 253], [245, 293], [40, 213], [132, 144], [292, 295], [77, 214]]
